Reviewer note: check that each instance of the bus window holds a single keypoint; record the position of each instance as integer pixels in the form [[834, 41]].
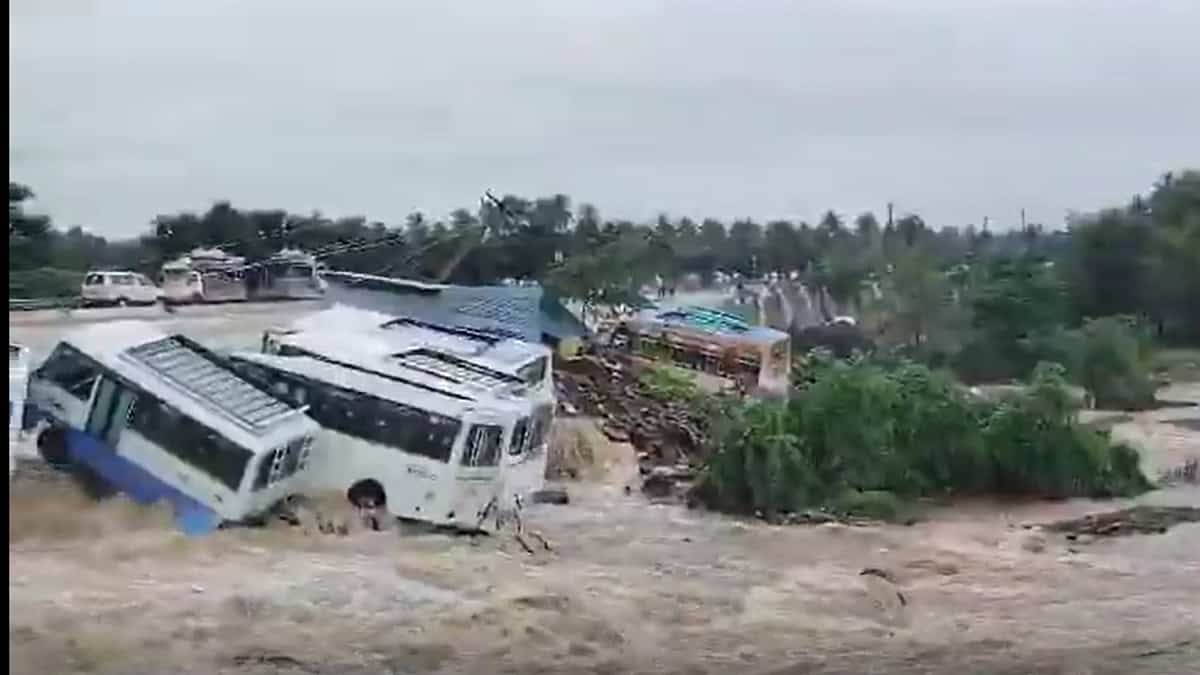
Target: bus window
[[542, 418], [417, 431], [70, 370], [520, 437], [190, 441], [483, 445], [276, 466], [376, 420], [533, 373]]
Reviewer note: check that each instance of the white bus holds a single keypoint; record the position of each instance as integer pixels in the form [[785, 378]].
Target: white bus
[[496, 389], [290, 274], [205, 275], [18, 382], [158, 416]]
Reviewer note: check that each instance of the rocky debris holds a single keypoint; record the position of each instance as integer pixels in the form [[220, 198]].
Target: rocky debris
[[1135, 520], [658, 485], [669, 436], [877, 572], [557, 496]]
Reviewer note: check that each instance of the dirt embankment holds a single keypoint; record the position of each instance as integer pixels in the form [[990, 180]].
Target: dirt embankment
[[669, 437]]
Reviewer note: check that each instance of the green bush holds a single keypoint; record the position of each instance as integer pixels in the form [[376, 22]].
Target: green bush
[[1037, 447], [856, 437], [1109, 357], [44, 283], [668, 383], [877, 504]]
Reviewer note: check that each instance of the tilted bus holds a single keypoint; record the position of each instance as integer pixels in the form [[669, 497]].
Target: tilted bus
[[158, 416], [442, 371], [324, 333]]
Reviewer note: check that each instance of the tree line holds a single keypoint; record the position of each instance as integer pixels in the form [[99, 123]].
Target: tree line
[[1141, 257]]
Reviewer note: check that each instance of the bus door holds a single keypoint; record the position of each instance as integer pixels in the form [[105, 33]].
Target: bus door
[[476, 480], [110, 411], [523, 468]]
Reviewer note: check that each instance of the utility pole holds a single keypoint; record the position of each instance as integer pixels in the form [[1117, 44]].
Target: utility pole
[[891, 209], [1023, 220]]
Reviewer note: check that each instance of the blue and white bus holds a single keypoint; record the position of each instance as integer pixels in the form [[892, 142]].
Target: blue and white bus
[[157, 416]]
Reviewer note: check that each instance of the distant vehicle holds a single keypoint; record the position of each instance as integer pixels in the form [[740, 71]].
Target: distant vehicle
[[713, 341], [118, 287], [289, 274], [422, 381], [18, 382], [181, 283], [205, 275], [157, 416]]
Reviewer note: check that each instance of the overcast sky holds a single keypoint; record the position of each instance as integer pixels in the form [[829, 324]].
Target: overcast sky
[[731, 108]]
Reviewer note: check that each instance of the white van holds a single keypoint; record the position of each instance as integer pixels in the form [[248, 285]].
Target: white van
[[119, 288]]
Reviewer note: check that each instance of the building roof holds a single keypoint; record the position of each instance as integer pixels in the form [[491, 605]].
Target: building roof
[[712, 321], [520, 312]]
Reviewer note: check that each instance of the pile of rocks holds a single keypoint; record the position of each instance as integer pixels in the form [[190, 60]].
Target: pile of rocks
[[669, 436], [1135, 520]]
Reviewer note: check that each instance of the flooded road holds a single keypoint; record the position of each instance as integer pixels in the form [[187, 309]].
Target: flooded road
[[629, 587]]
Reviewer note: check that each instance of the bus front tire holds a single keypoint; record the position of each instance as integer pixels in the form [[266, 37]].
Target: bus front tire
[[52, 447], [367, 493]]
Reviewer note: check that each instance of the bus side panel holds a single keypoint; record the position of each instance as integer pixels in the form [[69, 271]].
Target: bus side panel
[[192, 517], [339, 460], [526, 474]]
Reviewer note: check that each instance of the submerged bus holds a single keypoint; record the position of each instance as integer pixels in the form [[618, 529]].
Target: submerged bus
[[157, 416], [18, 382], [496, 391], [757, 357]]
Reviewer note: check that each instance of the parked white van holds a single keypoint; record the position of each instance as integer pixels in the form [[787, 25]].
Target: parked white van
[[119, 288]]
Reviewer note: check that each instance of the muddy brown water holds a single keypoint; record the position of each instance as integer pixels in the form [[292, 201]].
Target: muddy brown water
[[628, 588]]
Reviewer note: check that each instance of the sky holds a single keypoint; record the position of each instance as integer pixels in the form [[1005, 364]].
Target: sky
[[956, 110]]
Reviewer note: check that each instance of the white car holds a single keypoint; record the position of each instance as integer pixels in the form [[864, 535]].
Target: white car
[[119, 288]]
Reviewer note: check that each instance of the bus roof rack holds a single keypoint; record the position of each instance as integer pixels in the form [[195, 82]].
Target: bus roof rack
[[454, 369], [186, 365], [461, 331]]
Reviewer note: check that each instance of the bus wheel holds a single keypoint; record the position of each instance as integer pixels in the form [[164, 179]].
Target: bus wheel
[[366, 494], [92, 485], [52, 446]]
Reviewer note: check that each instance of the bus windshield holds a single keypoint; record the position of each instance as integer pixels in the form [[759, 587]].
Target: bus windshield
[[533, 373]]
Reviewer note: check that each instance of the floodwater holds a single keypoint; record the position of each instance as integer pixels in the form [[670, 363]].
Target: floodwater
[[628, 587]]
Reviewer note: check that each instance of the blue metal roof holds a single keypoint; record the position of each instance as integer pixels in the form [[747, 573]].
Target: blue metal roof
[[522, 312], [712, 321]]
